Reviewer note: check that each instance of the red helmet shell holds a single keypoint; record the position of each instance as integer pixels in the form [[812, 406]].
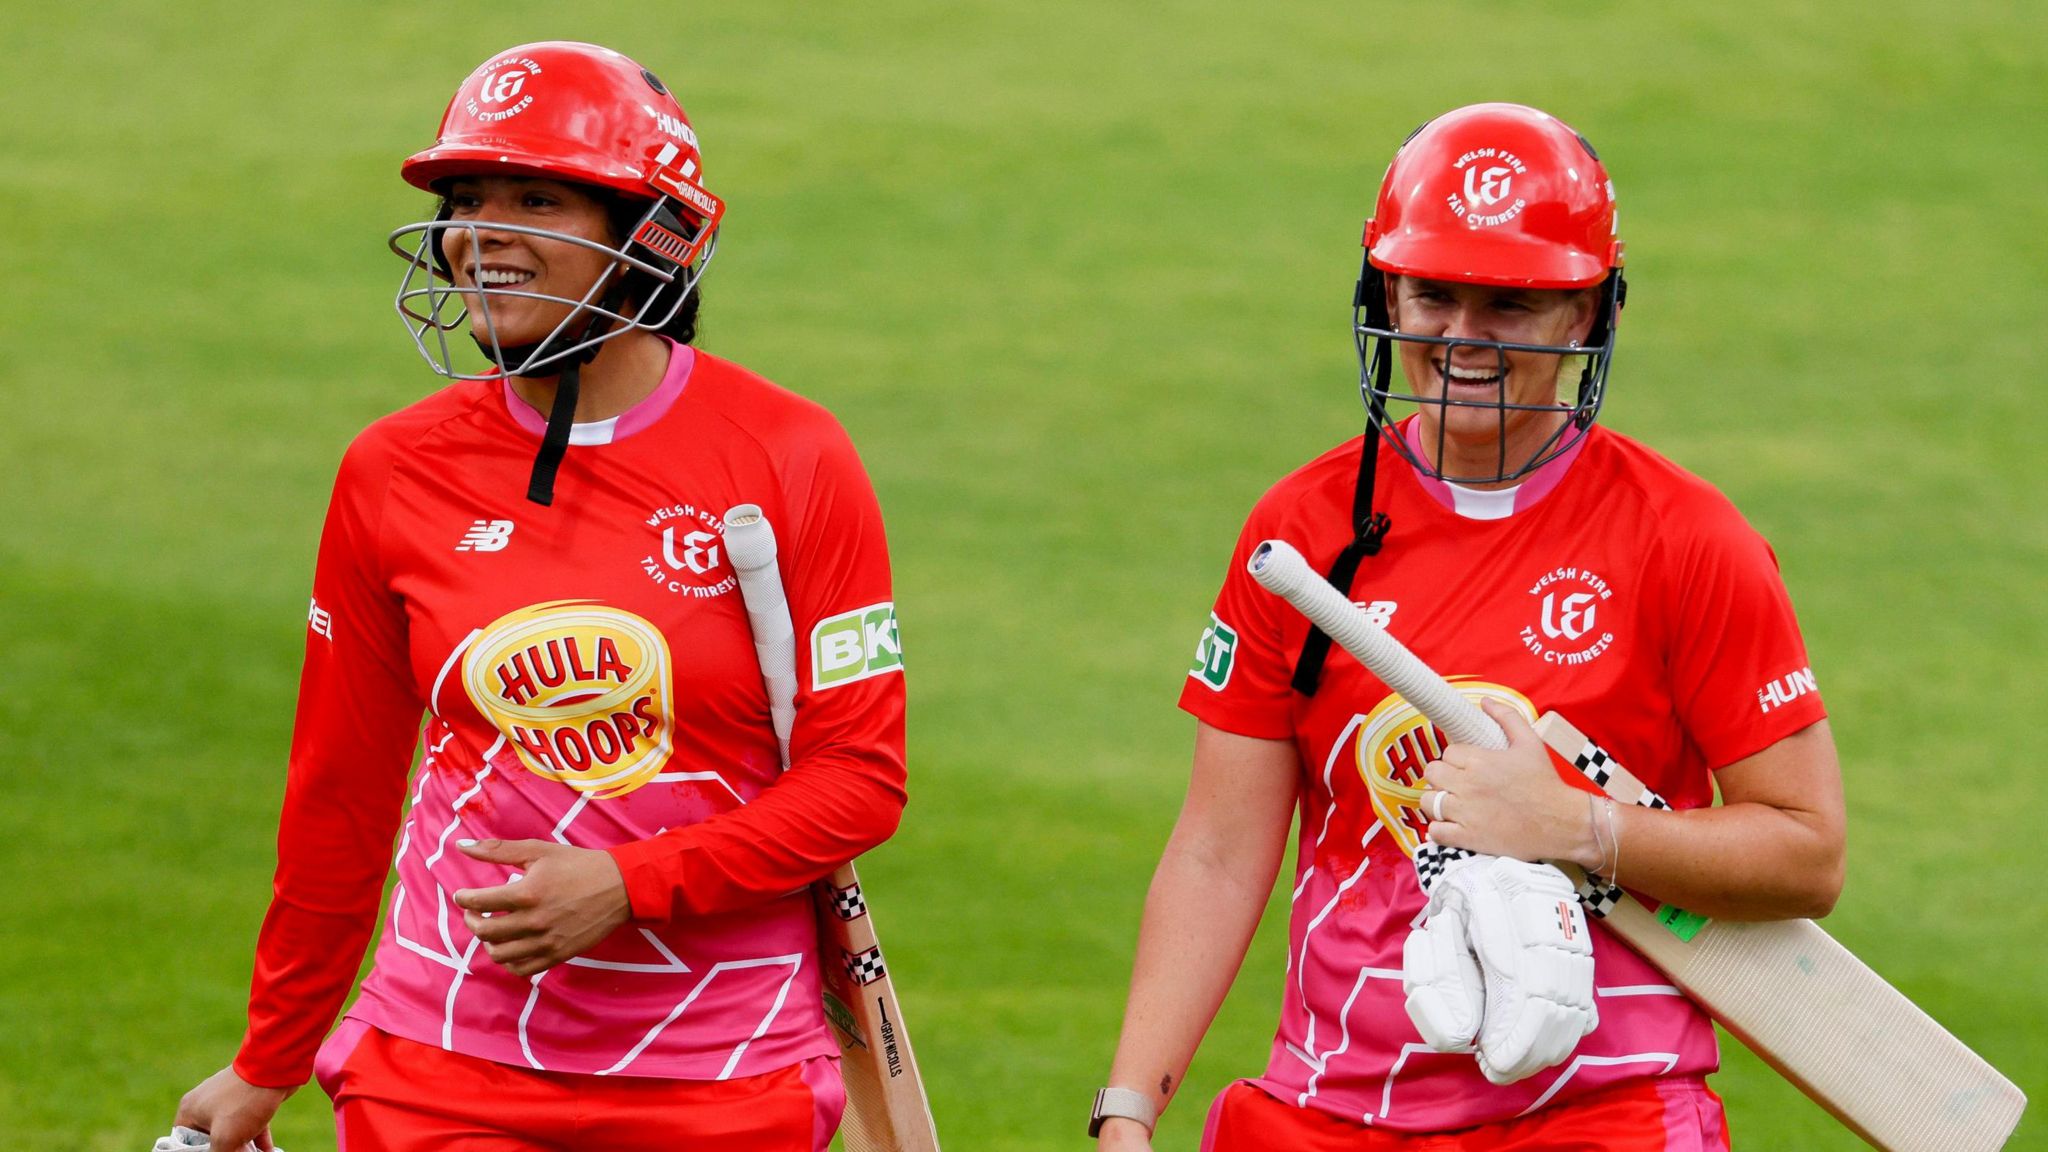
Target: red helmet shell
[[1496, 194], [568, 111]]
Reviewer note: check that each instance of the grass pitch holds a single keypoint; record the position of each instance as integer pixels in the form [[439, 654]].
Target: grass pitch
[[1076, 276]]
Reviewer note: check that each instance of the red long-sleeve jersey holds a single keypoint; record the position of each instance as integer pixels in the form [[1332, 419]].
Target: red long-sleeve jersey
[[587, 676]]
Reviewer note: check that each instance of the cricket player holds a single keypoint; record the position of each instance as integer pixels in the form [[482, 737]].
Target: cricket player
[[599, 937], [1541, 561]]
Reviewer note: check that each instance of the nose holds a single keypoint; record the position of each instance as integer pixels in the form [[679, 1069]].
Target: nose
[[1466, 322], [462, 243]]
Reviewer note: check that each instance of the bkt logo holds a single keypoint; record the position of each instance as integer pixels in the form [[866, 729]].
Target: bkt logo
[[1570, 618], [855, 645], [1214, 653], [699, 555], [1488, 187], [486, 536]]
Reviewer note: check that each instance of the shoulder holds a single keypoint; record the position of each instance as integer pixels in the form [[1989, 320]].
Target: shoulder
[[759, 408], [1682, 505], [390, 441], [1306, 491], [1689, 531]]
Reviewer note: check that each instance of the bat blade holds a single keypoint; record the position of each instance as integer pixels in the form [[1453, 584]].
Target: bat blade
[[1814, 1012], [1786, 989], [886, 1107]]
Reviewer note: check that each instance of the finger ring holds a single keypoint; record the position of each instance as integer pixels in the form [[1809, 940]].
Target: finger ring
[[1436, 804]]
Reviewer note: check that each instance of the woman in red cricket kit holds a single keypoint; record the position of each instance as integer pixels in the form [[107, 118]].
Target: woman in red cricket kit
[[600, 935], [1542, 562]]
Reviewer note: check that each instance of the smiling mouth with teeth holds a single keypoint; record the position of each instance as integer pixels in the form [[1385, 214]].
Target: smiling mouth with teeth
[[1469, 375], [494, 278]]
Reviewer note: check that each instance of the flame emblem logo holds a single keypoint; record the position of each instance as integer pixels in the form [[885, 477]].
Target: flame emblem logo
[[1395, 744], [581, 691]]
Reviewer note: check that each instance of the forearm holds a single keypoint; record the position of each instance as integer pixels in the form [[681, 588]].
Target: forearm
[[1199, 917], [1771, 851], [1737, 861], [817, 817]]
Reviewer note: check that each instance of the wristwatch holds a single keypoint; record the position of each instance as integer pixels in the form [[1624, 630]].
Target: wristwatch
[[1125, 1102]]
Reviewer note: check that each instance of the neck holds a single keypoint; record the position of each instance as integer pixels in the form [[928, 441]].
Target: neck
[[626, 370], [1483, 457]]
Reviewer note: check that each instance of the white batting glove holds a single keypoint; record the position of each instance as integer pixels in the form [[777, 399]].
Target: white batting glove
[[1440, 974], [1519, 986], [183, 1139]]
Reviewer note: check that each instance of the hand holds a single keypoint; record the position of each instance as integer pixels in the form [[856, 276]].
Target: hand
[[563, 902], [231, 1111], [1122, 1134], [1509, 803], [1527, 934]]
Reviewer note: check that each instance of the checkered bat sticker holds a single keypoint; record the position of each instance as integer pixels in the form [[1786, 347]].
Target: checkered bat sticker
[[848, 903], [866, 966]]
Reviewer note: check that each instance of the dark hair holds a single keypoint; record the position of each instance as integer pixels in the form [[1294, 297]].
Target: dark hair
[[622, 214]]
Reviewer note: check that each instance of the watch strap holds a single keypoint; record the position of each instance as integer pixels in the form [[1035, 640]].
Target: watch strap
[[1128, 1103]]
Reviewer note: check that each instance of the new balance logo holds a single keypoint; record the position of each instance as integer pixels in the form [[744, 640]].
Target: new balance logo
[[486, 536], [1378, 613]]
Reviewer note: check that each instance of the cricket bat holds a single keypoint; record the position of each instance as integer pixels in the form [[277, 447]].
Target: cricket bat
[[886, 1109], [1802, 1002]]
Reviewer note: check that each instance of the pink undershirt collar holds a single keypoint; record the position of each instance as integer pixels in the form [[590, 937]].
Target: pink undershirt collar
[[1475, 504], [681, 359]]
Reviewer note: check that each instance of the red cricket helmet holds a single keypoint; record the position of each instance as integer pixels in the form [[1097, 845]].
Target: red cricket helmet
[[1496, 194], [580, 114], [569, 111]]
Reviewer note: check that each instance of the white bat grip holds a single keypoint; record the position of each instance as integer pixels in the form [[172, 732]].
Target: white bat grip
[[1280, 570], [750, 546]]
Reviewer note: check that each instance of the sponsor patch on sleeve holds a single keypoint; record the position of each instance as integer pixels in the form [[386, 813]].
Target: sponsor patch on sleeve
[[855, 645], [1215, 654]]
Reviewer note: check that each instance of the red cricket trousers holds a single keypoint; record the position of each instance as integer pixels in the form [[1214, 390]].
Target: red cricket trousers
[[1649, 1115], [395, 1095]]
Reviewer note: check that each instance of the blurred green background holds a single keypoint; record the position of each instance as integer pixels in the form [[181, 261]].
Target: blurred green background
[[1076, 275]]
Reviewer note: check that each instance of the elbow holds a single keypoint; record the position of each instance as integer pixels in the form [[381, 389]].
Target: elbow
[[879, 817], [1823, 887]]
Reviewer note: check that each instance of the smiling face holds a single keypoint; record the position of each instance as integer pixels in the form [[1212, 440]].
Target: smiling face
[[518, 268], [1486, 409]]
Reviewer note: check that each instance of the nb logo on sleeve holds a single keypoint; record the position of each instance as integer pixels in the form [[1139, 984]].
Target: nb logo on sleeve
[[486, 536], [855, 645]]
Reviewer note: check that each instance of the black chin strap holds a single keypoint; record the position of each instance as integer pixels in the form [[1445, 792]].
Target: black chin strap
[[540, 488], [1368, 532]]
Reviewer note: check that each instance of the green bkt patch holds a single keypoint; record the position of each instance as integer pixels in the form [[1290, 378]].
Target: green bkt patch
[[1215, 654], [855, 645], [1684, 925]]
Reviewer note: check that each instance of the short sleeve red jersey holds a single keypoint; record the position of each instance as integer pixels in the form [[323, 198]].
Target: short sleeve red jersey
[[588, 676], [1611, 586]]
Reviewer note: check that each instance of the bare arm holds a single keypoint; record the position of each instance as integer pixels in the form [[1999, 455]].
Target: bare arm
[[1212, 883], [1771, 850]]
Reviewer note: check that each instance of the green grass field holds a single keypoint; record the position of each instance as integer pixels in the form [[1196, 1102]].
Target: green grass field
[[1076, 275]]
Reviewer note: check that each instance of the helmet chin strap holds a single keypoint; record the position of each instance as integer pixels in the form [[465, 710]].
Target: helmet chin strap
[[554, 444], [540, 486]]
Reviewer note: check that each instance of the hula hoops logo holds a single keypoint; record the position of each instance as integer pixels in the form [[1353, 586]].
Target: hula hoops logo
[[581, 691], [1395, 744]]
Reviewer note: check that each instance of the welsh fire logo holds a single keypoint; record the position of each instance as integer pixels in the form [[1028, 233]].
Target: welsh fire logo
[[1395, 744], [581, 691]]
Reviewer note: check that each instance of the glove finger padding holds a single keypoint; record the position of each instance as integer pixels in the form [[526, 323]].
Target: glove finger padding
[[1446, 995], [1530, 936]]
